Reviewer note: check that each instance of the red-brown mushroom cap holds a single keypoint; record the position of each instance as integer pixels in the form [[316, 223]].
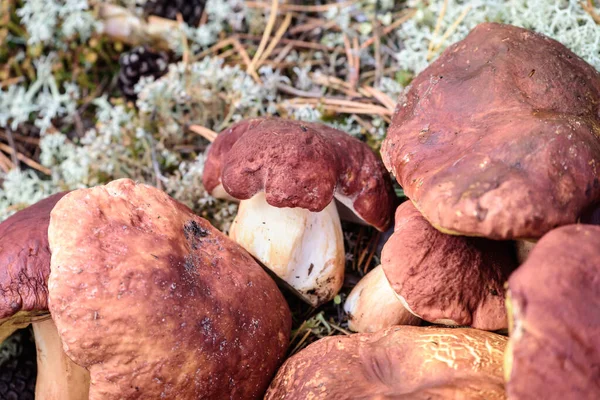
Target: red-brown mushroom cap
[[554, 301], [300, 164], [396, 363], [25, 260], [499, 137], [447, 279], [156, 303]]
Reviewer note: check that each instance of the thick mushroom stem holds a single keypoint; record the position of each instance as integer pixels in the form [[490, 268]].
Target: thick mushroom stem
[[373, 305], [523, 248], [304, 248], [58, 377]]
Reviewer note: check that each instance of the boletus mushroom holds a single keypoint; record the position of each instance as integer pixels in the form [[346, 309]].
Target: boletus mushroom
[[499, 136], [554, 302], [443, 279], [156, 303], [286, 175], [24, 270], [401, 362]]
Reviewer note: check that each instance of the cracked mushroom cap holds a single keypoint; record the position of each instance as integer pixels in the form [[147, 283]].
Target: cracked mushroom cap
[[404, 362], [25, 264], [300, 164], [446, 279], [554, 303], [499, 136], [156, 303]]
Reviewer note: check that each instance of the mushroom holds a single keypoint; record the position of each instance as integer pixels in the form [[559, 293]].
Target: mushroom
[[499, 136], [404, 362], [287, 174], [554, 301], [24, 270], [443, 279], [156, 303]]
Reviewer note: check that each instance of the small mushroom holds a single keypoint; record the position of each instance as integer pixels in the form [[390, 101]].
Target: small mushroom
[[499, 136], [554, 301], [443, 279], [156, 303], [24, 270], [287, 174], [404, 362]]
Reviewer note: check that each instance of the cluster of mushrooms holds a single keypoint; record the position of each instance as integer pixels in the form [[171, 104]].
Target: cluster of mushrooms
[[497, 146]]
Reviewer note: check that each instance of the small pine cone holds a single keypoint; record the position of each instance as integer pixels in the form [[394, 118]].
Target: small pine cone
[[191, 10], [136, 64], [18, 368]]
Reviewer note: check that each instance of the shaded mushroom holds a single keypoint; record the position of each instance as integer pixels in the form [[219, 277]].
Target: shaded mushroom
[[156, 303], [287, 174], [399, 362], [443, 279], [554, 302], [499, 136], [24, 270]]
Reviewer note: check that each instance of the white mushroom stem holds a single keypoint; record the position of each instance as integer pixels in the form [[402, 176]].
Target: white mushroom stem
[[58, 378], [373, 305], [305, 249]]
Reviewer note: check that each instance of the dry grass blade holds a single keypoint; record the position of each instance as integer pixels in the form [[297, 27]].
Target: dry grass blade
[[278, 35], [452, 28], [589, 8], [265, 37], [245, 57], [301, 8], [383, 98], [438, 25], [206, 133], [5, 163]]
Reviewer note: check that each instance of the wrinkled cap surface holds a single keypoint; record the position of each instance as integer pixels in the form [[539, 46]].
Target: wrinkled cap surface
[[499, 137], [300, 164], [156, 303], [25, 259], [555, 332], [404, 362], [446, 279]]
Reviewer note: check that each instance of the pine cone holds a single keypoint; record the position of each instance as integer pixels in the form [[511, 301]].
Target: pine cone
[[191, 10], [18, 367], [136, 64]]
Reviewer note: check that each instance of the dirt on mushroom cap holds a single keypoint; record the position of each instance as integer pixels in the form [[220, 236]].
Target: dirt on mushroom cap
[[499, 136], [300, 164], [404, 362], [155, 302], [555, 335]]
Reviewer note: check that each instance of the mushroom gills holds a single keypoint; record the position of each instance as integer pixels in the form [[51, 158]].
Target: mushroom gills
[[304, 248], [373, 305], [59, 378]]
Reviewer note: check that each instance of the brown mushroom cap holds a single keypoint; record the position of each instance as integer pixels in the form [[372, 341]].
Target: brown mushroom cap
[[25, 261], [396, 363], [300, 164], [447, 279], [156, 303], [554, 299], [499, 136]]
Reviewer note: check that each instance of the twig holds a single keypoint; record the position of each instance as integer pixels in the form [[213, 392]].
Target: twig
[[206, 133], [381, 97], [265, 36], [5, 163], [26, 160], [297, 92], [214, 48], [186, 48], [295, 43]]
